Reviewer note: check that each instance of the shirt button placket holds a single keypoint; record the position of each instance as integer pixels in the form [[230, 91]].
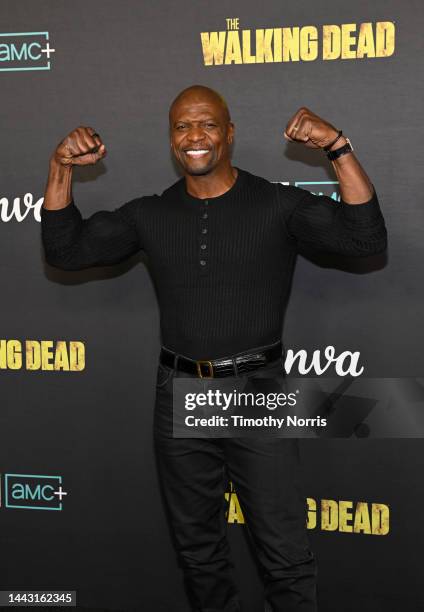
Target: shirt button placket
[[204, 230]]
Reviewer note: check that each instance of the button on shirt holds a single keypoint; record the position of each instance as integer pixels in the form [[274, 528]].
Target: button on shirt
[[227, 293], [204, 230]]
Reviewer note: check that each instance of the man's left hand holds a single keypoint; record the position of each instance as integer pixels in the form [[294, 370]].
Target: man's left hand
[[311, 130]]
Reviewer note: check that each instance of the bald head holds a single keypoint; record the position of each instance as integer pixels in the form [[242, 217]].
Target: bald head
[[196, 94]]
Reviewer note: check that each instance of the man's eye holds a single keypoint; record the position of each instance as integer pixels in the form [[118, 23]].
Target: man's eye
[[180, 127], [210, 125]]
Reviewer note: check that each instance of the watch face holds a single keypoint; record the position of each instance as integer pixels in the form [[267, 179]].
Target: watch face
[[349, 143]]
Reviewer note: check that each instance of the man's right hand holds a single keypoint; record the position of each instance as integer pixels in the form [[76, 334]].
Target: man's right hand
[[82, 147]]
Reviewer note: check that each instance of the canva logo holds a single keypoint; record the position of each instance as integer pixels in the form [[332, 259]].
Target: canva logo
[[25, 51], [20, 208], [33, 492], [347, 363]]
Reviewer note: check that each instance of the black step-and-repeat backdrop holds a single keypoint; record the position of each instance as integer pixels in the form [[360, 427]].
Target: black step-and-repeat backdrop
[[80, 505]]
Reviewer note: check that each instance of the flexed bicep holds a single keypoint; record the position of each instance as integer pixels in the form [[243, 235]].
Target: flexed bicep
[[105, 238]]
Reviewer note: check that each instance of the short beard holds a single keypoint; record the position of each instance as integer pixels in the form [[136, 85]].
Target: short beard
[[199, 171]]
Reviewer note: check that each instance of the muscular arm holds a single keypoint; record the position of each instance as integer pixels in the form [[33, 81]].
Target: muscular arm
[[320, 223], [355, 226], [58, 192], [71, 242], [355, 185], [105, 238]]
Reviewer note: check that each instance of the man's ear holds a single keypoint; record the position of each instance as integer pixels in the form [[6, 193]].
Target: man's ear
[[230, 132]]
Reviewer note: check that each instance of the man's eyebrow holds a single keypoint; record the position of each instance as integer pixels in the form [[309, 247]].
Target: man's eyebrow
[[208, 118]]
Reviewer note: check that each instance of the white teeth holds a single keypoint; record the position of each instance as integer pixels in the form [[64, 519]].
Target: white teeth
[[197, 153]]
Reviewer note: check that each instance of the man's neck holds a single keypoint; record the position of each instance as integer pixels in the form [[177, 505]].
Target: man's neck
[[211, 185]]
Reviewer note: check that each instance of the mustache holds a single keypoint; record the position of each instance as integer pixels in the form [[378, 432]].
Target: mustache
[[204, 148]]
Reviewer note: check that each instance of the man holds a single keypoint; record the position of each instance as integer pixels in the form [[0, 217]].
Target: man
[[222, 244]]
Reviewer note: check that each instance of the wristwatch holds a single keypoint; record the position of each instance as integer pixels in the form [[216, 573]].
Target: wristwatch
[[346, 148]]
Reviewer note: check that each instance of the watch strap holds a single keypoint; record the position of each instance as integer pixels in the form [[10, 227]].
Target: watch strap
[[333, 142], [346, 148]]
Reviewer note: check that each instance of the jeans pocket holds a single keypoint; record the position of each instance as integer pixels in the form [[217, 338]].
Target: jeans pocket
[[164, 374]]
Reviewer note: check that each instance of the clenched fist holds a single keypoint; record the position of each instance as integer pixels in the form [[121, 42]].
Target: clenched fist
[[311, 130], [83, 146]]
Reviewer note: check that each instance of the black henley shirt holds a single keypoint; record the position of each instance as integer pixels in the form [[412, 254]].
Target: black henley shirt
[[222, 266]]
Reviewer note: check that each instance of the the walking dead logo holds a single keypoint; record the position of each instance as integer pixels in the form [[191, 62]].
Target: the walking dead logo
[[235, 45], [346, 516], [52, 355]]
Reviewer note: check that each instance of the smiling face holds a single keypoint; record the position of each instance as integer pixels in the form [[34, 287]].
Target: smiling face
[[201, 130]]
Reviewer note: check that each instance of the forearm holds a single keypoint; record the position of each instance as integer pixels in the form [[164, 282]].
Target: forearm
[[61, 232], [58, 192], [355, 185]]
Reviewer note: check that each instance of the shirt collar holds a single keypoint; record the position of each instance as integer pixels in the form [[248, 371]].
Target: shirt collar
[[235, 187]]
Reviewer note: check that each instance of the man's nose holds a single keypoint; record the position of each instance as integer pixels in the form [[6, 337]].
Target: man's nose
[[196, 134]]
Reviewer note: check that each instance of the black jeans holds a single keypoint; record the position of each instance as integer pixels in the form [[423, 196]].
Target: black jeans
[[267, 480]]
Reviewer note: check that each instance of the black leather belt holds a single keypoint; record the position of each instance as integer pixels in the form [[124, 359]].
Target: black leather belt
[[225, 366]]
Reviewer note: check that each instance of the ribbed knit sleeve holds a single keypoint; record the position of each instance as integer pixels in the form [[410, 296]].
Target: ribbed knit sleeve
[[106, 237], [320, 223]]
